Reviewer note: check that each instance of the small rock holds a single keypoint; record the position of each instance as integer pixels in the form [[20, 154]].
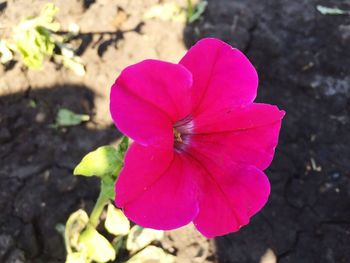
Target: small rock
[[28, 200], [64, 180], [268, 257], [335, 176], [27, 170], [16, 256], [10, 225], [20, 123], [40, 117], [27, 241], [345, 34], [6, 242], [330, 86], [5, 135]]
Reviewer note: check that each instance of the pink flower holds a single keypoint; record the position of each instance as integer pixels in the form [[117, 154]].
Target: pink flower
[[201, 143]]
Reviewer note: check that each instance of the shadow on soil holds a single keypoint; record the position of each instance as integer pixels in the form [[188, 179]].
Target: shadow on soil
[[37, 188]]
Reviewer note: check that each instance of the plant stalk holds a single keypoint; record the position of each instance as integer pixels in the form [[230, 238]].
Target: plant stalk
[[101, 202]]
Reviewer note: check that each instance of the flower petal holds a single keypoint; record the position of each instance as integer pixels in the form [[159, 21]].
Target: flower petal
[[148, 98], [245, 135], [157, 188], [231, 196], [222, 76]]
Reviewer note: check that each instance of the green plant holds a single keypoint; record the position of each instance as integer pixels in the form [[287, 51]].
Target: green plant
[[84, 243], [36, 38], [67, 118], [195, 12]]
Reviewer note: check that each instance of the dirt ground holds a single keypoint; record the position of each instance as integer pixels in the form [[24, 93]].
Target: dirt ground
[[303, 62]]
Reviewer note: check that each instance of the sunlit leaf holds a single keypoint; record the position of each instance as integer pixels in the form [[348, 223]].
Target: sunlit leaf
[[96, 246], [33, 38], [47, 17], [66, 117], [116, 222], [69, 59], [167, 12], [75, 64], [140, 237], [5, 52], [152, 254], [103, 161], [76, 257]]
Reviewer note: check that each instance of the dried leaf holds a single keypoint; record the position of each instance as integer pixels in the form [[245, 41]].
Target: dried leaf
[[116, 222], [152, 254], [140, 237]]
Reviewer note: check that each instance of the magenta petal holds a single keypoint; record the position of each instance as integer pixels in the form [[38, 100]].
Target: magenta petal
[[140, 120], [157, 189], [230, 197], [245, 135], [148, 97], [222, 76]]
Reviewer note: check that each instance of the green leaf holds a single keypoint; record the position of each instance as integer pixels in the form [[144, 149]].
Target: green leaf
[[104, 161], [96, 246], [33, 37], [66, 117], [152, 254], [116, 222], [107, 187], [47, 17], [198, 11], [140, 237], [123, 146], [101, 162], [32, 103]]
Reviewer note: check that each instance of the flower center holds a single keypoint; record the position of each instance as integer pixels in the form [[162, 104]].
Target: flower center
[[182, 133], [177, 135]]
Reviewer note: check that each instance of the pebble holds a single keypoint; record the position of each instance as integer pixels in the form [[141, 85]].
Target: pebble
[[268, 257], [345, 34], [40, 117], [16, 256], [5, 135], [335, 176], [6, 242]]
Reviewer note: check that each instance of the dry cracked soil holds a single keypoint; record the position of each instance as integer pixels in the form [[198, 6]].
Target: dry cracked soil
[[302, 57]]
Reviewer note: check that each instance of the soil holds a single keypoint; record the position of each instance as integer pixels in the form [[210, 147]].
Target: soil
[[303, 62]]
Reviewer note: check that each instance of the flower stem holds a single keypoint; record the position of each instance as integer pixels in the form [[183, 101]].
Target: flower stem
[[189, 9], [102, 200]]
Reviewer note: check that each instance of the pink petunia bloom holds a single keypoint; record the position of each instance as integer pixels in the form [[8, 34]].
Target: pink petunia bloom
[[200, 143]]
